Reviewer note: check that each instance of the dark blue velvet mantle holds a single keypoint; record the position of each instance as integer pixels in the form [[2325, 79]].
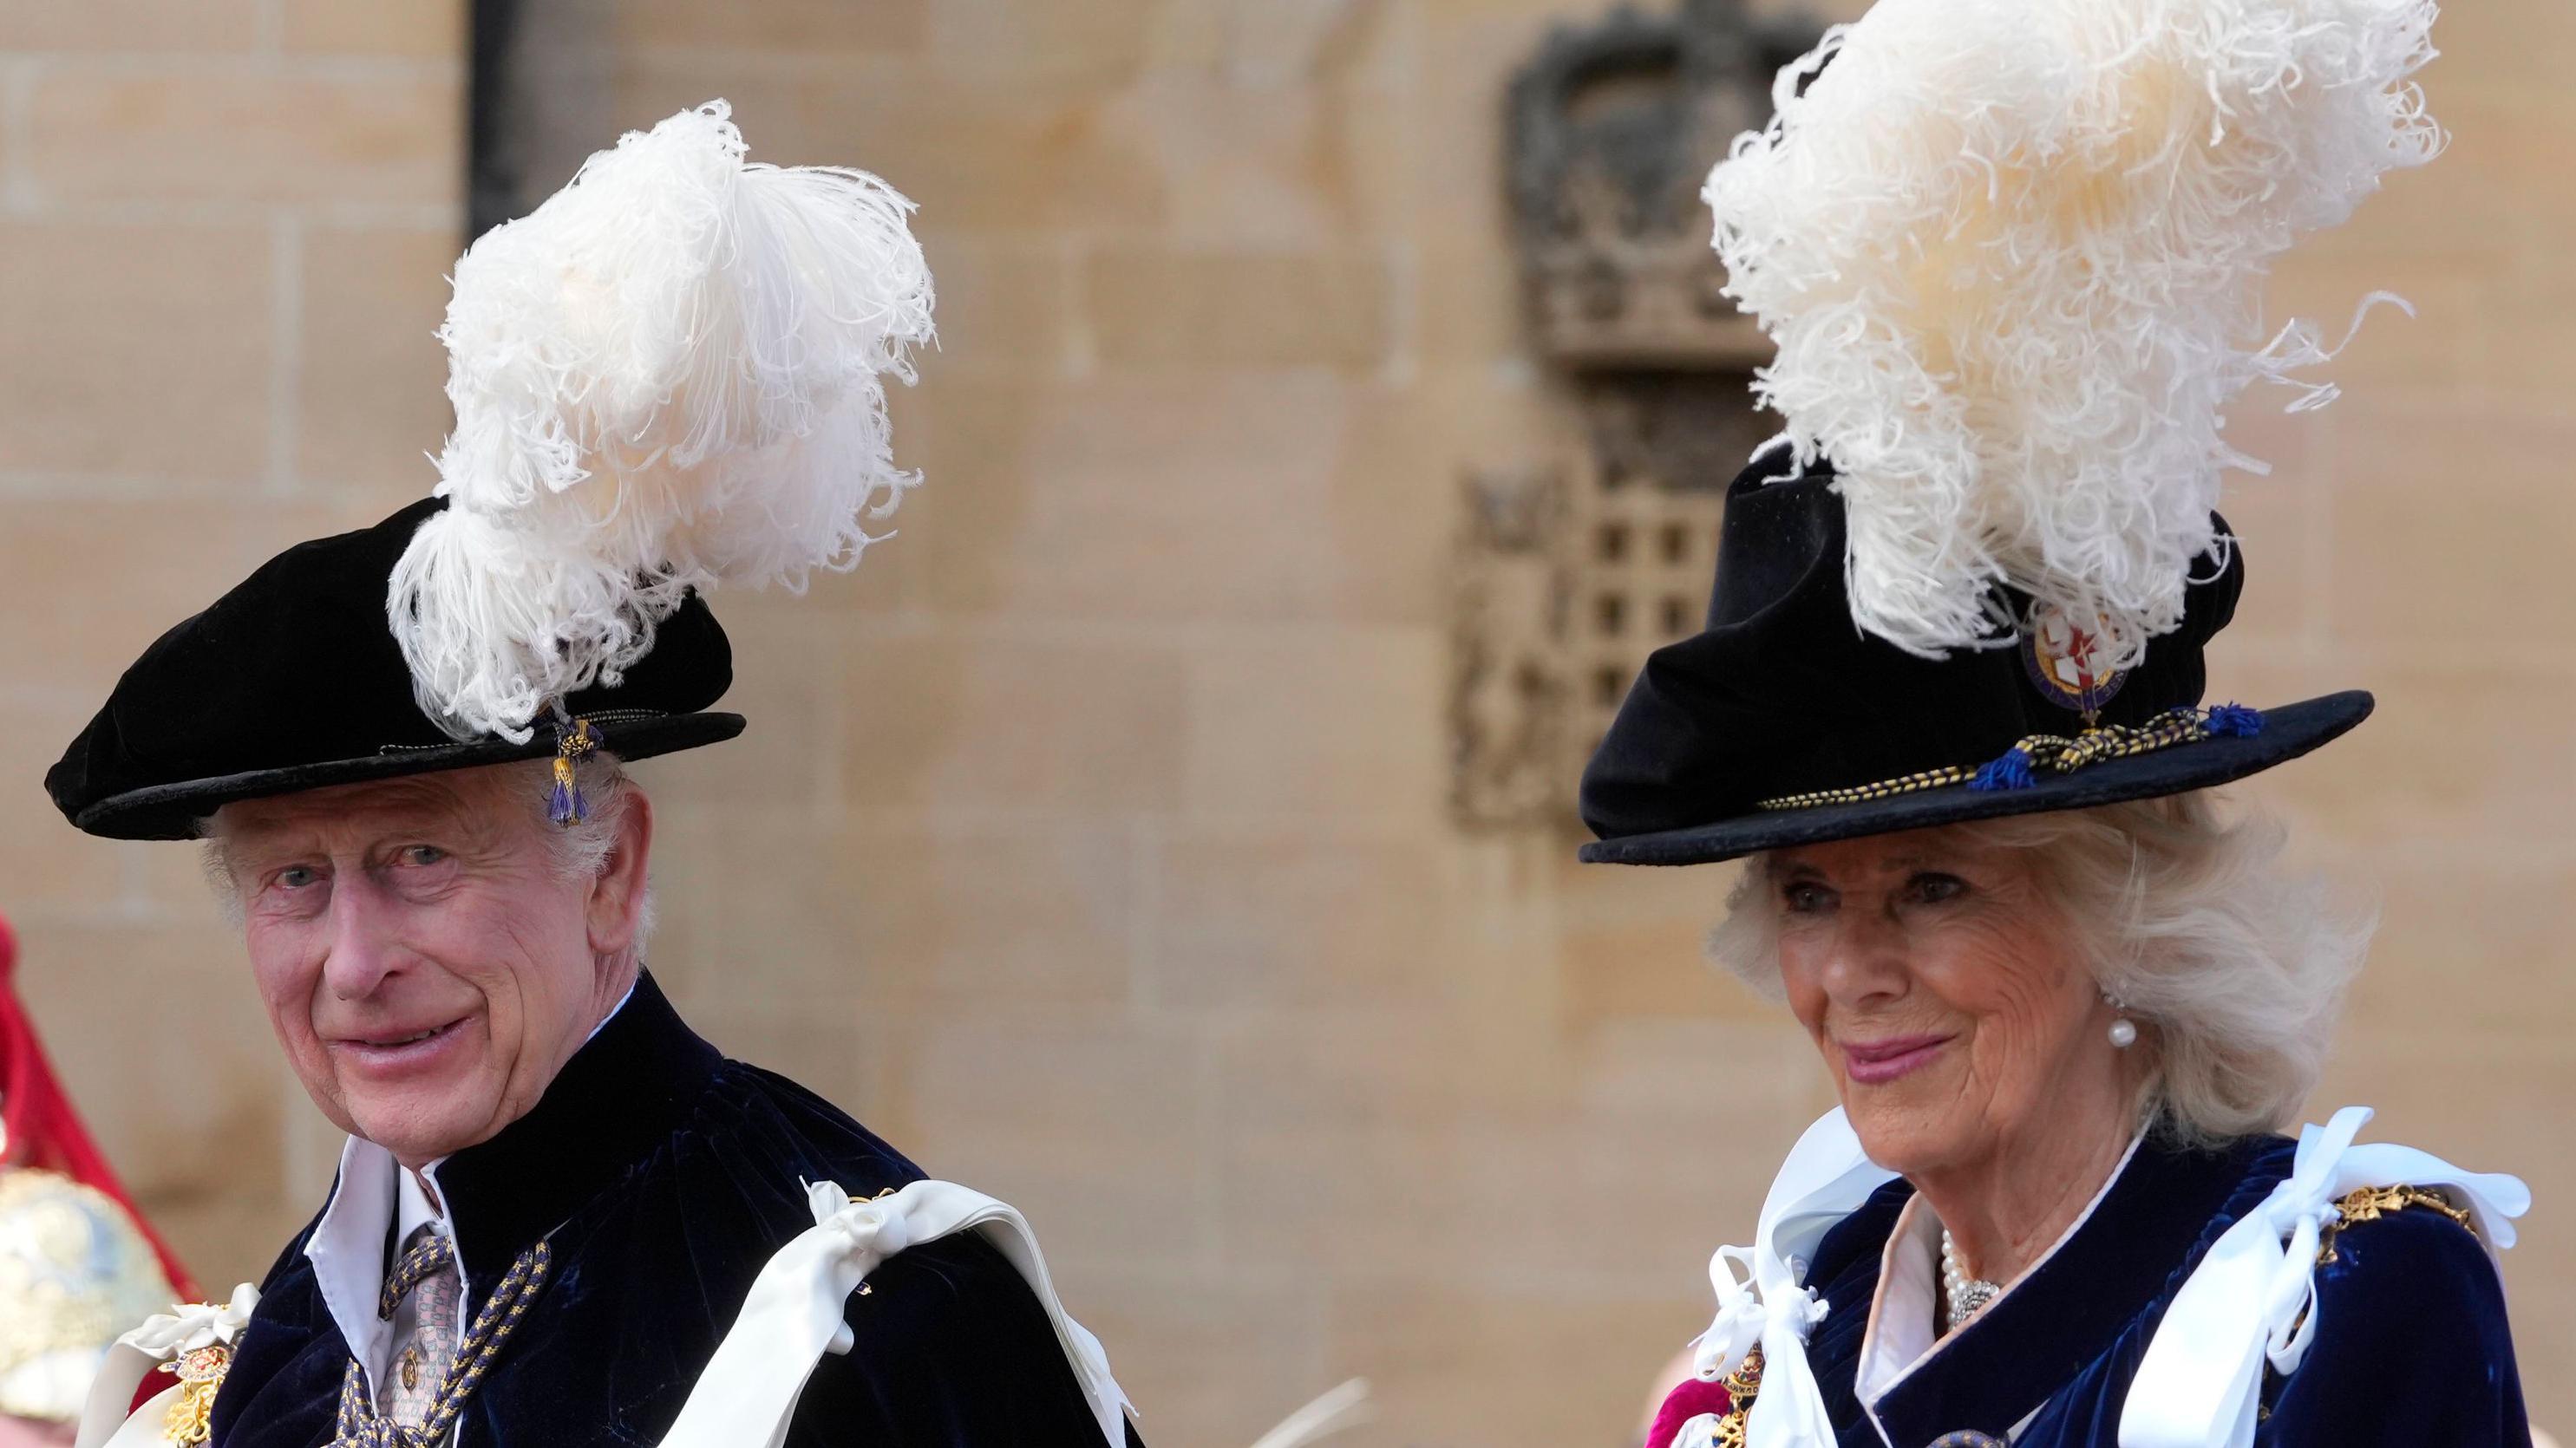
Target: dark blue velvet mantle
[[2411, 1348], [664, 1176]]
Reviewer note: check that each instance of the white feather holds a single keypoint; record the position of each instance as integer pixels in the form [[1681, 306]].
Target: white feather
[[2012, 253], [1345, 1406], [668, 376]]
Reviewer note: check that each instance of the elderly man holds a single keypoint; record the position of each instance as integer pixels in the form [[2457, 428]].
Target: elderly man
[[562, 1218]]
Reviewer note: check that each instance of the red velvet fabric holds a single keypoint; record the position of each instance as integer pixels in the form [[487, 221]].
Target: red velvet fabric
[[43, 1130], [1689, 1398]]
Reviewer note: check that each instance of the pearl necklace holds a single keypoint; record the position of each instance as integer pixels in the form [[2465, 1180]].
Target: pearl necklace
[[1962, 1296]]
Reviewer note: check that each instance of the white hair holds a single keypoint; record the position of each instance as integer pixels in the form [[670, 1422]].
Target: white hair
[[2192, 923], [580, 851]]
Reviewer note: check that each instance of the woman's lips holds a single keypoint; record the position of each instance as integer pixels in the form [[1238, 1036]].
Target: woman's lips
[[1875, 1063]]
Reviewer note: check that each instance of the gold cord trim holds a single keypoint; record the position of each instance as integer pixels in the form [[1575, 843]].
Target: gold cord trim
[[2048, 753], [362, 1426], [2372, 1203]]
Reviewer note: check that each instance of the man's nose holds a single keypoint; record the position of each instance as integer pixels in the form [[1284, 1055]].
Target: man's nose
[[362, 950]]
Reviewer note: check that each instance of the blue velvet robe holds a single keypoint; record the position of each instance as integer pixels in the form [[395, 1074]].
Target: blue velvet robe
[[664, 1176], [2411, 1347]]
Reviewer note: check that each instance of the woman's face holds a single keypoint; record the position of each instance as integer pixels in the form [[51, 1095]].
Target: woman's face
[[1945, 992]]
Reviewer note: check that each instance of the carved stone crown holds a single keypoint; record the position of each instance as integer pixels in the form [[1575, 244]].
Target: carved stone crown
[[1611, 132]]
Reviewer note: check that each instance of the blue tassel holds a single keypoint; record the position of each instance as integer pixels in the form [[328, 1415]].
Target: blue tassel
[[2233, 721], [563, 804], [2012, 771]]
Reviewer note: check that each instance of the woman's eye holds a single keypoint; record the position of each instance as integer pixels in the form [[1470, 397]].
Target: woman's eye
[[1805, 897], [1932, 889]]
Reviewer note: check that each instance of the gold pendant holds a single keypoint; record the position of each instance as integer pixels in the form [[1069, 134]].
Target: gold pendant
[[1741, 1386], [200, 1372]]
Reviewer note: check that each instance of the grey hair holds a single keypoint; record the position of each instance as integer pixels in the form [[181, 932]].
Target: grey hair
[[2191, 922], [580, 851]]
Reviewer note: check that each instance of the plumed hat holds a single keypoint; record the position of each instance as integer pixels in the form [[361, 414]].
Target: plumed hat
[[668, 379], [2012, 254]]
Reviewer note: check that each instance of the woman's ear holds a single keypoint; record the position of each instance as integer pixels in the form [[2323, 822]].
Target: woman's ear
[[616, 909]]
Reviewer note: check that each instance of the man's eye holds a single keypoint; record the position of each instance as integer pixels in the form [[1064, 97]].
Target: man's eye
[[422, 854], [296, 877]]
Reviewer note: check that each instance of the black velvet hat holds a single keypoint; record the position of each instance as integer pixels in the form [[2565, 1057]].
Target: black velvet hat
[[1782, 723], [293, 681]]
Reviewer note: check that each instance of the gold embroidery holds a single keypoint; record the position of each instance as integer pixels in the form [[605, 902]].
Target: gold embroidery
[[200, 1372], [2372, 1203], [1741, 1386]]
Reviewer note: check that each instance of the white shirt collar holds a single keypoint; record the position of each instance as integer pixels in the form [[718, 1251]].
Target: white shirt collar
[[347, 1248], [412, 1207]]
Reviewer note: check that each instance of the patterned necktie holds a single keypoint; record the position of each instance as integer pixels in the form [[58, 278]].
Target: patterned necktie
[[421, 1299]]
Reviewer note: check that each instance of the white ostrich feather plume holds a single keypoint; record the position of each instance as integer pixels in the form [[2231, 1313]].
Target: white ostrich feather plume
[[2012, 253], [668, 376]]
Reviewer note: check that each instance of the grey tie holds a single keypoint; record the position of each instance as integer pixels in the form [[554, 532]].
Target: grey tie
[[421, 1296]]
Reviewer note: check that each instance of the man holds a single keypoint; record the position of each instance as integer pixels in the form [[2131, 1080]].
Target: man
[[556, 1200]]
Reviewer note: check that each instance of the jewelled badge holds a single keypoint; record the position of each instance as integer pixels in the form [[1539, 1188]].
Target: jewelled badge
[[2061, 659]]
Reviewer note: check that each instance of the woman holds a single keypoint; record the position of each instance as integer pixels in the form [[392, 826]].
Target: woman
[[2064, 1021], [1948, 705]]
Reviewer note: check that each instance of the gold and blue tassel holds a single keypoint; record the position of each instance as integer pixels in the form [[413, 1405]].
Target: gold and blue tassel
[[564, 804]]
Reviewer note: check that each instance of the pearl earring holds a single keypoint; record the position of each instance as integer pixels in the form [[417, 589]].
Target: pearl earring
[[2124, 1032]]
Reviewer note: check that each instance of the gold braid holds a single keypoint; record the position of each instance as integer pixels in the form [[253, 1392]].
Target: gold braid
[[360, 1426], [2050, 753]]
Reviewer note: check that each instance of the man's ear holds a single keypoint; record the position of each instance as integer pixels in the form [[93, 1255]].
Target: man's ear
[[616, 909]]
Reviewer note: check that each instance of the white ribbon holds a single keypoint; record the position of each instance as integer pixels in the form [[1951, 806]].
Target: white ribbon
[[794, 1312], [2252, 1299], [1699, 1432], [105, 1421], [1826, 1178]]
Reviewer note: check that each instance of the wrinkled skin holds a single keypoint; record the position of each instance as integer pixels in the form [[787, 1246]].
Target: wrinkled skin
[[434, 903], [2016, 1107]]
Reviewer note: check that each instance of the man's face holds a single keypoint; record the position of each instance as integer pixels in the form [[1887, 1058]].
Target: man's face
[[423, 958]]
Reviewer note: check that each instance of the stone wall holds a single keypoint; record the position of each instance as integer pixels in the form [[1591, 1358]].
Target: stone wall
[[1089, 841]]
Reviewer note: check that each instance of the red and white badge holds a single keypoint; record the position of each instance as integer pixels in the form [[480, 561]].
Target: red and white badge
[[2064, 661]]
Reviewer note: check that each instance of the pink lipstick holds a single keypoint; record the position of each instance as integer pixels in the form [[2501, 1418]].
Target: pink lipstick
[[1875, 1063]]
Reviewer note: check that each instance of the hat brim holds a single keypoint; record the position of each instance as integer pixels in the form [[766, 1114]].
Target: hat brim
[[171, 811], [2288, 732]]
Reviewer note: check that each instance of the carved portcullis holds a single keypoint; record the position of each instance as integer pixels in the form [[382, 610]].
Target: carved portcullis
[[1571, 570]]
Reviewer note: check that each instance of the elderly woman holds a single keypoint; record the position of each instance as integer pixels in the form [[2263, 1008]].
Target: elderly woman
[[2065, 1022], [1948, 707]]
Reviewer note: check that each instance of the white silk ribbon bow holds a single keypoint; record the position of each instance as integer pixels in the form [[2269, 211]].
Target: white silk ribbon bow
[[1762, 1297], [105, 1421], [793, 1315], [2252, 1299]]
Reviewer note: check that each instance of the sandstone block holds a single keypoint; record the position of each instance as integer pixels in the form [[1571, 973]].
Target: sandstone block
[[956, 720], [135, 349], [1155, 306], [247, 133], [371, 400]]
